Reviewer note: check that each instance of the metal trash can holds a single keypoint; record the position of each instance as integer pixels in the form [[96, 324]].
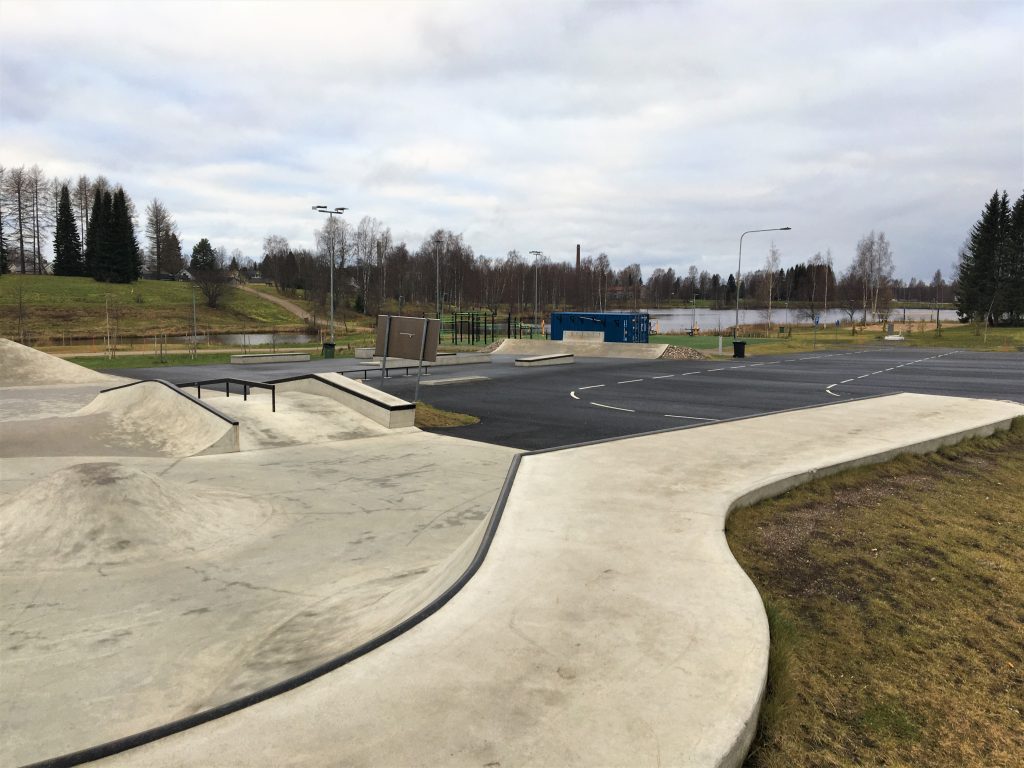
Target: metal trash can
[[328, 350], [739, 349]]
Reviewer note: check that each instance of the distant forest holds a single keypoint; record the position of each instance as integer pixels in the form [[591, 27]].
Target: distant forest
[[88, 226]]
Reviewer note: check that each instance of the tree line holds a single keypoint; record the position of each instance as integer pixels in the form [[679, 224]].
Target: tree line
[[990, 268]]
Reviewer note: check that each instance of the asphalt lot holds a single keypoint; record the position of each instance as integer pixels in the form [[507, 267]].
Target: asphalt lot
[[534, 408]]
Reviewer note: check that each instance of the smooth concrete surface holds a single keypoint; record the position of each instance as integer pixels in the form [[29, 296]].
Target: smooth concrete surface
[[542, 360], [521, 347], [24, 366], [136, 590], [385, 409], [609, 623], [270, 357], [145, 419]]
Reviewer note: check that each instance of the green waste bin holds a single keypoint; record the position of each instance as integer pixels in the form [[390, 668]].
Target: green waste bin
[[739, 349], [328, 350]]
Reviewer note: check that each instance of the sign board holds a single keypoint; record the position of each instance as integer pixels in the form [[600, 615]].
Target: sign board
[[403, 337]]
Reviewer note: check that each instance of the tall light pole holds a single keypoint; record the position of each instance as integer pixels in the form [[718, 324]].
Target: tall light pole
[[693, 321], [437, 276], [739, 268], [338, 210], [536, 257]]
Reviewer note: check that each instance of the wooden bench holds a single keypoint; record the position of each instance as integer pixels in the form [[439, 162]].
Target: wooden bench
[[538, 360], [270, 357]]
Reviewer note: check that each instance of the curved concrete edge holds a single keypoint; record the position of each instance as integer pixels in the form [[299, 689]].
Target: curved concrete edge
[[252, 734], [441, 584]]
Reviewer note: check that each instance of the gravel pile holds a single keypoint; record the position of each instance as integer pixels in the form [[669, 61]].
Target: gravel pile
[[682, 353]]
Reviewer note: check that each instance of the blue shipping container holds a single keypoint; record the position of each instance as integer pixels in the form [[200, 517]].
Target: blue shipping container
[[628, 327]]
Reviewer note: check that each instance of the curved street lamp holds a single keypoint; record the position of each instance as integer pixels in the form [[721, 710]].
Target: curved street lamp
[[536, 256], [739, 266], [338, 210]]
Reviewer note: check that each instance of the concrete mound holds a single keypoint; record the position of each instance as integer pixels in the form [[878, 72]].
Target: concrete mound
[[22, 366], [146, 419], [581, 349], [152, 413], [103, 513]]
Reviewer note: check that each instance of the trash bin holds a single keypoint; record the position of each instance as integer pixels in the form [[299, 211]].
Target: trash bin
[[328, 350], [739, 349]]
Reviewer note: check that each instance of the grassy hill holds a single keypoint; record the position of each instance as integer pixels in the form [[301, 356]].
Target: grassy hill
[[46, 308]]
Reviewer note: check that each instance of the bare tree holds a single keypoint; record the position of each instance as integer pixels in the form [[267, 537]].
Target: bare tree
[[16, 189], [161, 232], [771, 268]]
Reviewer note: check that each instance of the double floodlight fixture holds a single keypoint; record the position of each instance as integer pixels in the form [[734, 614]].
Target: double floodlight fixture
[[325, 209]]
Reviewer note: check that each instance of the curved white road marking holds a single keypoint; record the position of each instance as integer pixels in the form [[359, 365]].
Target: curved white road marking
[[614, 408], [572, 394]]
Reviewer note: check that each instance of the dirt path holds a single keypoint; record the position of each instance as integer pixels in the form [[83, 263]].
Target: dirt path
[[292, 307]]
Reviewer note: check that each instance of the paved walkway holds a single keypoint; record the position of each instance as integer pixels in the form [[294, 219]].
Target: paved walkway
[[609, 623]]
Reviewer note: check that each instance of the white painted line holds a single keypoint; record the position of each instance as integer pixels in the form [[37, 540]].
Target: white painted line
[[774, 363], [754, 365], [629, 381], [845, 381], [716, 369], [573, 396], [790, 361], [888, 369], [691, 373], [666, 376], [877, 372], [734, 367], [808, 358], [613, 408], [834, 394], [592, 386], [864, 376], [691, 418]]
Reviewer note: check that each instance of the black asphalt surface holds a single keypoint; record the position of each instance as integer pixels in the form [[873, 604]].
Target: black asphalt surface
[[533, 408]]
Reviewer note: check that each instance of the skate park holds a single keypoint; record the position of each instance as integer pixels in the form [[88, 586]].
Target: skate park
[[198, 551]]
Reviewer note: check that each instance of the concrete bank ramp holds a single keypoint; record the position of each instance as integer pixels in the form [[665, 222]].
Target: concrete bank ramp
[[608, 624], [22, 366], [523, 347], [150, 418]]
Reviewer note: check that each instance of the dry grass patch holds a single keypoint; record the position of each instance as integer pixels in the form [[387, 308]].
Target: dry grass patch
[[429, 417], [894, 595]]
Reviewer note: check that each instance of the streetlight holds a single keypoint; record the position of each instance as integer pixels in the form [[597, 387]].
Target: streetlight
[[739, 266], [693, 321], [338, 210], [536, 256]]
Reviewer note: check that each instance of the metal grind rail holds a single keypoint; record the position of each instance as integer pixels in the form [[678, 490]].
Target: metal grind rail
[[227, 382]]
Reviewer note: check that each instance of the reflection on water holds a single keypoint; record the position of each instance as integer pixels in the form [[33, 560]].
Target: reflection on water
[[680, 320], [240, 339]]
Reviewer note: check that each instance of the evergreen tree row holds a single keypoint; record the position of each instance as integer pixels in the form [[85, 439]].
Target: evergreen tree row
[[111, 251], [990, 271]]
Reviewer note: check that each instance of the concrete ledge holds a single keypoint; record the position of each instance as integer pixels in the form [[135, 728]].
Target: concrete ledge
[[363, 353], [443, 358], [385, 409], [270, 357], [539, 360]]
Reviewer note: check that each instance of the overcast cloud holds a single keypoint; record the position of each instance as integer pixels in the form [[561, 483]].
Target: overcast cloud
[[656, 133]]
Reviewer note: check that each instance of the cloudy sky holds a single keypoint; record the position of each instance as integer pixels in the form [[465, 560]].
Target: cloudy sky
[[655, 132]]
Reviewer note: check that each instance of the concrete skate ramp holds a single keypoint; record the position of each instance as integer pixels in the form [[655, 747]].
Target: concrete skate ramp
[[608, 623], [104, 513], [522, 347], [22, 366], [151, 418]]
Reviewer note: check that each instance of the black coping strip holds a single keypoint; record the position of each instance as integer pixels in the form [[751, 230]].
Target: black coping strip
[[125, 743], [184, 394]]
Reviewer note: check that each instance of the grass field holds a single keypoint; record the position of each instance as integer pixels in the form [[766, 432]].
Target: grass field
[[894, 597], [803, 339], [48, 309]]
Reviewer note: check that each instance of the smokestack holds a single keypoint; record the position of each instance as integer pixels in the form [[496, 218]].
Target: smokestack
[[577, 257]]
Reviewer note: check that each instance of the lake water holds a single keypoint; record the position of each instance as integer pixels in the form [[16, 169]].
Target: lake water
[[680, 320], [238, 339]]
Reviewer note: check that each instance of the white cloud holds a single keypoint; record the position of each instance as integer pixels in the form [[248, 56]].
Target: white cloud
[[656, 132]]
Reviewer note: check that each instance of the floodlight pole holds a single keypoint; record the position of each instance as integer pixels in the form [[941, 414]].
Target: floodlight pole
[[536, 259], [338, 210], [739, 268]]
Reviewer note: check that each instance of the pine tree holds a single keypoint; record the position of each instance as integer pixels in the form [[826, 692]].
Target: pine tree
[[125, 264], [67, 246], [94, 235], [203, 257], [1015, 263]]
